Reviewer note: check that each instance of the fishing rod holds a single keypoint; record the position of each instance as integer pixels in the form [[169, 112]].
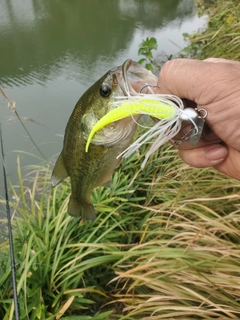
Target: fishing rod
[[10, 236]]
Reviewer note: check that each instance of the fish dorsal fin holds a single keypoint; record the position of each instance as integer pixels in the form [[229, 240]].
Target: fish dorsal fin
[[108, 184], [59, 172]]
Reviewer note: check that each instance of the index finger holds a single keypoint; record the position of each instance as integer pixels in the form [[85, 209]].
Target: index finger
[[200, 81]]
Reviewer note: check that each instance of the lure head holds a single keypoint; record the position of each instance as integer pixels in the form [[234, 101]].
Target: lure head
[[196, 119]]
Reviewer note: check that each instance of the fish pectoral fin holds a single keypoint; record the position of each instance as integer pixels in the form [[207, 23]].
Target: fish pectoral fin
[[107, 184], [59, 171], [84, 210]]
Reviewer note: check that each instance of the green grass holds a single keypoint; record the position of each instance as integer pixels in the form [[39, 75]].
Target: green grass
[[165, 244]]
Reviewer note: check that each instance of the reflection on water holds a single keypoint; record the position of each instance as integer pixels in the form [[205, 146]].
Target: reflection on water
[[38, 38], [51, 51]]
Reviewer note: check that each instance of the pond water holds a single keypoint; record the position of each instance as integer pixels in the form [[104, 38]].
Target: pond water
[[52, 51]]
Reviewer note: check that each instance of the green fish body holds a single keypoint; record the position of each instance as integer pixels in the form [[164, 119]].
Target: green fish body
[[88, 170]]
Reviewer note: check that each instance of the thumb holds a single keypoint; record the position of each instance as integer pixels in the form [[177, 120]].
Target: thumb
[[206, 156]]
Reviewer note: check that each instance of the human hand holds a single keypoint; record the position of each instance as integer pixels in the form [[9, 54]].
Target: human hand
[[214, 85]]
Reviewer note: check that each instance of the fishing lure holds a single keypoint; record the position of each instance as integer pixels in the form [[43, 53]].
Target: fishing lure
[[168, 109]]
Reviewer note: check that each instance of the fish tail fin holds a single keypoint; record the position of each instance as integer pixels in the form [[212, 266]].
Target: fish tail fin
[[83, 209]]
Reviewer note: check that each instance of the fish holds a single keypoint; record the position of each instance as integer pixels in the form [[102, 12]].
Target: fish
[[88, 170]]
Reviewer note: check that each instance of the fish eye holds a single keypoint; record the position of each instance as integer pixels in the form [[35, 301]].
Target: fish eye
[[105, 91]]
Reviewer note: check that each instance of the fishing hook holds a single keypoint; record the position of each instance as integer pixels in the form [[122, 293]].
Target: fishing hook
[[149, 86]]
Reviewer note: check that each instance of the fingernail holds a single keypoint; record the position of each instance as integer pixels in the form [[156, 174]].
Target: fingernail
[[216, 153]]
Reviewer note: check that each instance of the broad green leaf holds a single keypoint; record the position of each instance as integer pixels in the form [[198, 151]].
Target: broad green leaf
[[149, 67], [141, 60]]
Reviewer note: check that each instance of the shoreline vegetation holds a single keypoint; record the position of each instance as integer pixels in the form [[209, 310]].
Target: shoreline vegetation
[[222, 37], [166, 241]]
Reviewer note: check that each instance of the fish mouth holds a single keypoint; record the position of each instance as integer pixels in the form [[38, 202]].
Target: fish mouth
[[135, 77]]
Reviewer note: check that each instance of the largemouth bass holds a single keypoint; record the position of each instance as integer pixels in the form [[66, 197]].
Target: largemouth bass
[[88, 170]]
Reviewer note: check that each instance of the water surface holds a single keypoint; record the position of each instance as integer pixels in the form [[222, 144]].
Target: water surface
[[52, 51]]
